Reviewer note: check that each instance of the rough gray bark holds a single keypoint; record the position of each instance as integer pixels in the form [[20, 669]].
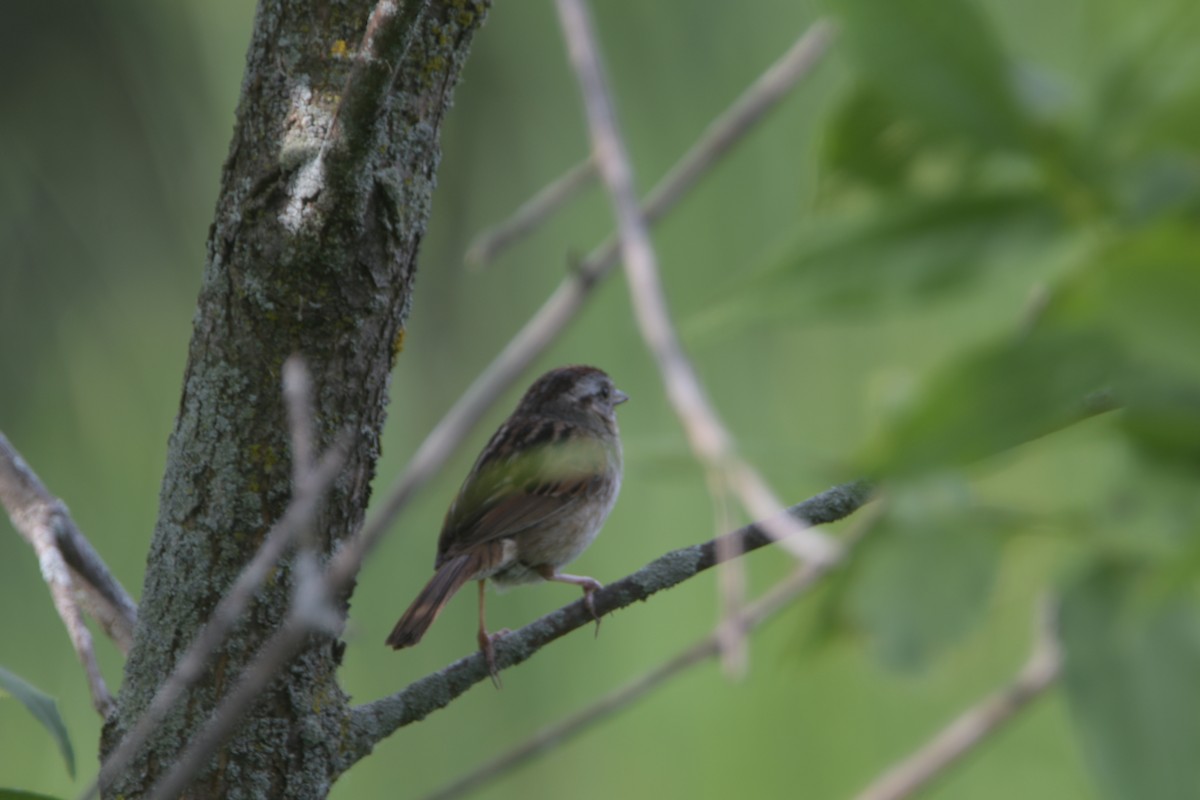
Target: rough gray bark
[[323, 202]]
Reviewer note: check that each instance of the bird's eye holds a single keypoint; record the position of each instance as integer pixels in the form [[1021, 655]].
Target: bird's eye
[[605, 393]]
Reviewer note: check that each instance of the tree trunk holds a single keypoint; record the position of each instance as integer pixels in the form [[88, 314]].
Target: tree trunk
[[323, 202]]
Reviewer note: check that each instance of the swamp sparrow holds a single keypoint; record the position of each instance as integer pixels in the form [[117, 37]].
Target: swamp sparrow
[[534, 500]]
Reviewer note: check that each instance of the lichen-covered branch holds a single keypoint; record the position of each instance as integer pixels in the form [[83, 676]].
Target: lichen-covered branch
[[374, 721], [750, 617]]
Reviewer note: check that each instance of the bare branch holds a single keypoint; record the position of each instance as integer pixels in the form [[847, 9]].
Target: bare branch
[[376, 720], [29, 502], [710, 441], [43, 521], [529, 343], [977, 723], [297, 395], [488, 244], [40, 533], [722, 134], [559, 733], [566, 301], [747, 619], [309, 599], [277, 651], [310, 485], [731, 588], [300, 514]]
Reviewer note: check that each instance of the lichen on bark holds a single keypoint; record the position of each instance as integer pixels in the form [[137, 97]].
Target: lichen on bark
[[323, 202]]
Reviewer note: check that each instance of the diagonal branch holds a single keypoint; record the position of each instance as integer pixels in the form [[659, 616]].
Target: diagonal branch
[[489, 243], [38, 528], [371, 723], [977, 723], [310, 483], [70, 567], [535, 337], [748, 619], [28, 501], [710, 441], [374, 721], [564, 304]]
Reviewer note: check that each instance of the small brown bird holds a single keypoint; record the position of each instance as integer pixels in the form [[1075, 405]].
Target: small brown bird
[[536, 497]]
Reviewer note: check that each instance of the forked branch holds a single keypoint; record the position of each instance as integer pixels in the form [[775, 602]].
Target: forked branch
[[74, 572]]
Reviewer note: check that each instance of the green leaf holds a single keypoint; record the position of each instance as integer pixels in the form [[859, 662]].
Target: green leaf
[[940, 59], [869, 139], [1162, 418], [1134, 109], [925, 578], [45, 710], [1143, 294], [920, 246], [905, 250], [1132, 656], [1144, 291], [1159, 185], [17, 794], [991, 400], [1149, 511]]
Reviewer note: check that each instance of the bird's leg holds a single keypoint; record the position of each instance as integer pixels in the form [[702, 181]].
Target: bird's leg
[[589, 585], [486, 641]]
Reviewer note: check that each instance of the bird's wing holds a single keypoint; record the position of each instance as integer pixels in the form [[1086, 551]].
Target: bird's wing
[[533, 483]]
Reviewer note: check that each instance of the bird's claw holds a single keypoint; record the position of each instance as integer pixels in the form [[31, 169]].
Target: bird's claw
[[487, 647], [588, 590]]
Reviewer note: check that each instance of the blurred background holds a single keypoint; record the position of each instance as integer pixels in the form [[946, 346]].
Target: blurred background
[[970, 216]]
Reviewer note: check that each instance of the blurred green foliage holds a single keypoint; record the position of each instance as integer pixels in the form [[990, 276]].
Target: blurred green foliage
[[16, 794], [1133, 654], [44, 710], [972, 222]]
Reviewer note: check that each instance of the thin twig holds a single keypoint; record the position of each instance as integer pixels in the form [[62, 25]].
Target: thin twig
[[711, 442], [566, 301], [40, 532], [731, 587], [283, 645], [488, 244], [533, 338], [559, 733], [709, 439], [310, 485], [977, 723], [309, 599], [68, 564], [376, 720], [297, 397], [748, 618], [29, 503]]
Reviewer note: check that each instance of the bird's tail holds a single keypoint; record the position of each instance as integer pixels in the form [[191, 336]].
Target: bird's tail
[[433, 598]]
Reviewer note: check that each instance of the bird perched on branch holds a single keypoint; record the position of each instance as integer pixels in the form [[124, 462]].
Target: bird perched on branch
[[534, 500]]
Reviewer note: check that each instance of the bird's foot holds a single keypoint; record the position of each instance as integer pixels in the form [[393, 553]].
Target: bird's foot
[[487, 647]]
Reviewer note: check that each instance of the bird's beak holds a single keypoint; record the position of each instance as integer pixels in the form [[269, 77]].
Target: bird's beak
[[619, 397]]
